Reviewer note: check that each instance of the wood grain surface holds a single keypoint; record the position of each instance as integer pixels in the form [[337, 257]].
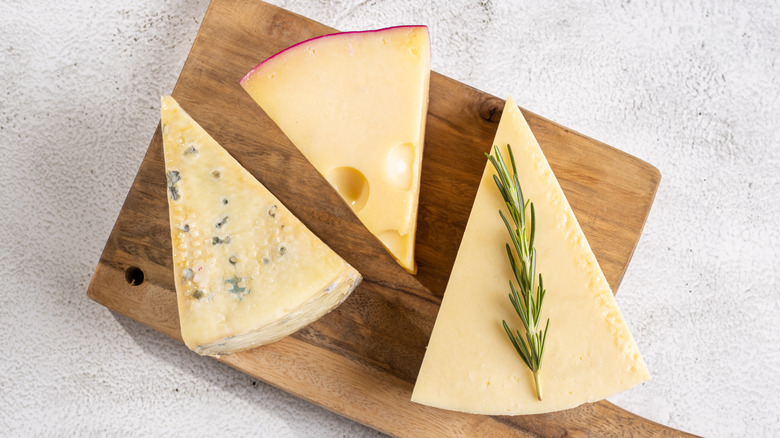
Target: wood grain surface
[[362, 359]]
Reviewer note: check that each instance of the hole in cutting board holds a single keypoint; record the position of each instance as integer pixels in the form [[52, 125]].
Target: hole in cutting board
[[134, 276]]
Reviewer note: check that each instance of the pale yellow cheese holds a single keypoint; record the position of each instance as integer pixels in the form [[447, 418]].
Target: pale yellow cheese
[[355, 105], [470, 364], [247, 272]]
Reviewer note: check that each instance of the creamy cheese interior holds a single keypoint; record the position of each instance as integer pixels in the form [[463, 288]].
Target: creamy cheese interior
[[247, 272]]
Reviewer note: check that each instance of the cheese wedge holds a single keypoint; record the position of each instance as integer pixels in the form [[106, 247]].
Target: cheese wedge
[[470, 364], [247, 272], [355, 105]]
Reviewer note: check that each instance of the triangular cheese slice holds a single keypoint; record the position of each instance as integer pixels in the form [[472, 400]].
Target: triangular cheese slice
[[470, 364], [355, 104], [247, 272]]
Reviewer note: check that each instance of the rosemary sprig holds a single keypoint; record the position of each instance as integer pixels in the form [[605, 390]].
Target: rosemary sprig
[[528, 296]]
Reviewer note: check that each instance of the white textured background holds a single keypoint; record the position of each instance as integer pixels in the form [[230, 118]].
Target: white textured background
[[692, 87]]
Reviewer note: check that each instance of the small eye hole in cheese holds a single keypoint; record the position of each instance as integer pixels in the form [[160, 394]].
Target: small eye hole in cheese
[[351, 184], [398, 165], [394, 241]]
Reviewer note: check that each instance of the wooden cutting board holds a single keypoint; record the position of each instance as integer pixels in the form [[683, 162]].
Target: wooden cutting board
[[361, 360]]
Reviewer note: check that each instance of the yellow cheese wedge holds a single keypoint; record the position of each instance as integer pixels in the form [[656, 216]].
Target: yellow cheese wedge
[[355, 104], [470, 364], [247, 272]]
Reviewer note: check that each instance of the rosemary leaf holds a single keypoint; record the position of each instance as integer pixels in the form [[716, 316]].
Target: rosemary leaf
[[528, 296]]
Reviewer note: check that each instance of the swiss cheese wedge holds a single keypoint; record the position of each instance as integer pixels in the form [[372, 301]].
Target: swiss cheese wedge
[[470, 364], [247, 272], [355, 104]]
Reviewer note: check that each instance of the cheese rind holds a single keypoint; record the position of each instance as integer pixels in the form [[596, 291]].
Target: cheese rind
[[355, 104], [470, 364], [247, 272]]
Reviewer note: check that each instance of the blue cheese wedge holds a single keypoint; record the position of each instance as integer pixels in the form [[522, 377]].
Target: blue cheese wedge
[[470, 364], [247, 271]]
